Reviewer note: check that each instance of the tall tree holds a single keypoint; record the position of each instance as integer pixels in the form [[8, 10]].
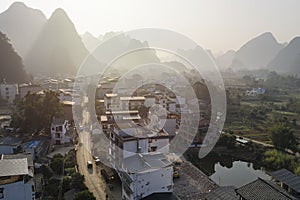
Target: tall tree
[[282, 136], [11, 64], [35, 112]]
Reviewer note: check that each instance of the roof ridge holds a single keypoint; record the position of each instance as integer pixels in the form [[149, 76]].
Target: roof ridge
[[273, 185]]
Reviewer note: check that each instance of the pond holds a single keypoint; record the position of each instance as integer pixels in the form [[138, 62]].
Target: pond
[[226, 171]]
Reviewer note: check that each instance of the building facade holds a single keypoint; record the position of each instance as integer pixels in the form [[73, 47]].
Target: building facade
[[8, 92]]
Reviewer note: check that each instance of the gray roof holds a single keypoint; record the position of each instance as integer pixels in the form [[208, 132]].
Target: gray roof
[[263, 190], [58, 121], [288, 178], [160, 196], [222, 193], [142, 162], [12, 167], [20, 156], [10, 141]]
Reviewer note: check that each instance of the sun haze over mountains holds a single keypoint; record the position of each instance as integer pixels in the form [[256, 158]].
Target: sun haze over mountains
[[54, 46]]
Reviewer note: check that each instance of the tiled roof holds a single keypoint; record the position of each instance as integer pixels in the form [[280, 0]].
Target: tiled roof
[[222, 193], [12, 167], [20, 156], [10, 141], [263, 190], [288, 178]]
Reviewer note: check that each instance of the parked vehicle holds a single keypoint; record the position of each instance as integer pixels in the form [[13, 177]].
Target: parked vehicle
[[89, 164]]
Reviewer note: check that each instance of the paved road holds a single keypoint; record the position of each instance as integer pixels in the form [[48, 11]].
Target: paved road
[[266, 144], [93, 180]]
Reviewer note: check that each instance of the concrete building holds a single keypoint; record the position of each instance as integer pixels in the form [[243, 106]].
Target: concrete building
[[146, 174], [8, 92], [59, 127], [138, 146], [16, 180]]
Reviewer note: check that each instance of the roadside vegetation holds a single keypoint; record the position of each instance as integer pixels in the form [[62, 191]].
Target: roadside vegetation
[[62, 176]]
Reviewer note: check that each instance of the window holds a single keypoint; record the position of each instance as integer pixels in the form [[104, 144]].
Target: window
[[153, 149], [1, 193]]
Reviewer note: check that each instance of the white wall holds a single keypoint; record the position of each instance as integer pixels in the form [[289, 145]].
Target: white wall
[[8, 92], [63, 139], [130, 147], [162, 144], [157, 181]]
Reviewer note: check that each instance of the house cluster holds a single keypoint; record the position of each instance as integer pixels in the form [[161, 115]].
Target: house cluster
[[255, 92], [140, 129], [17, 177], [284, 186], [139, 152]]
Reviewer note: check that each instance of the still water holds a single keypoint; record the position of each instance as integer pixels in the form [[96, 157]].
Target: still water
[[239, 174], [225, 171]]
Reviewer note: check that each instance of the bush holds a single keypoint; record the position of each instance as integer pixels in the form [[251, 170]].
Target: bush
[[66, 184], [70, 160], [78, 181], [52, 188], [86, 195], [70, 171], [57, 163]]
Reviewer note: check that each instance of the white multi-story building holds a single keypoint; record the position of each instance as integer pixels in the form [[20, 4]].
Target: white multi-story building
[[16, 180], [8, 92], [146, 174], [59, 127], [138, 146]]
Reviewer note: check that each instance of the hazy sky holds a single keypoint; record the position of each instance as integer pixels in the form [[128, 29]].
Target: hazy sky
[[213, 24]]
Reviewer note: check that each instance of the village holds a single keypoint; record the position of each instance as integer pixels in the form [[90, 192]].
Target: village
[[126, 157]]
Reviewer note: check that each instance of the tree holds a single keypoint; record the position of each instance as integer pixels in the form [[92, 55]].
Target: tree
[[57, 163], [78, 181], [11, 64], [35, 112], [66, 184], [282, 136], [227, 140], [46, 171], [277, 160], [85, 194]]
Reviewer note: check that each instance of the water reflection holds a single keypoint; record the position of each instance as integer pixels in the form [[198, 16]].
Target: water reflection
[[226, 171]]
